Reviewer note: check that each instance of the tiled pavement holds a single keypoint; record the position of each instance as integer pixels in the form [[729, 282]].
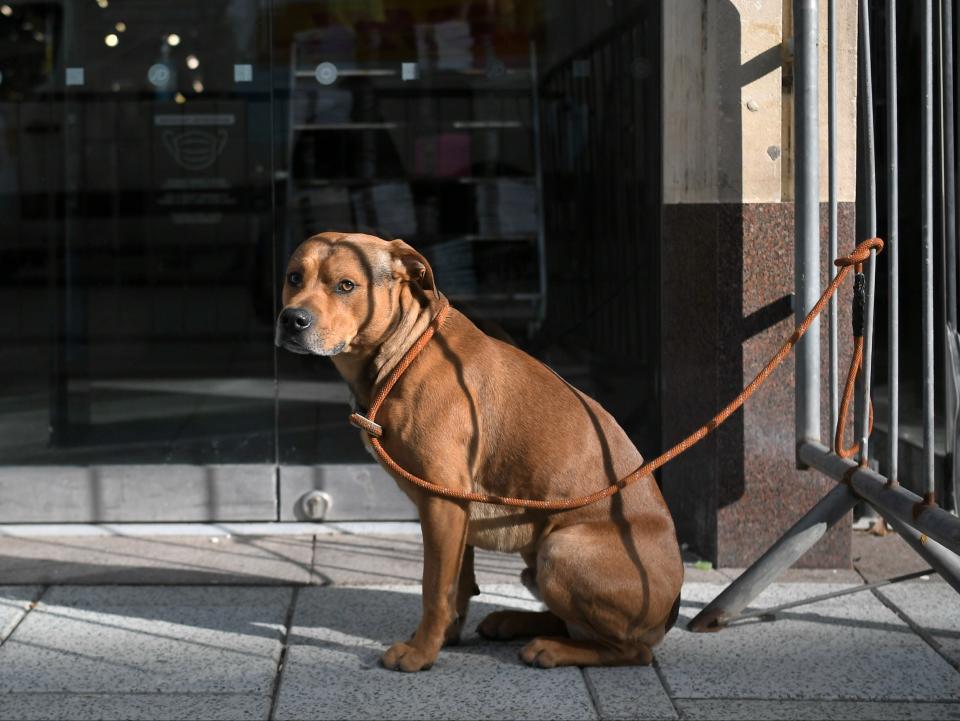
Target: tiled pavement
[[292, 628]]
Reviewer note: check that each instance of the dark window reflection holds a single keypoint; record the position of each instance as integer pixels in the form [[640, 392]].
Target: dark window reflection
[[517, 146], [137, 290], [150, 203]]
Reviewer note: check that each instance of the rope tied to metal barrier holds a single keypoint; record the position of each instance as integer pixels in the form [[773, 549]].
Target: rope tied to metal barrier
[[856, 261], [367, 422]]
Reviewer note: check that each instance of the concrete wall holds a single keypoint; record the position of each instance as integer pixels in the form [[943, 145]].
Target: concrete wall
[[727, 95]]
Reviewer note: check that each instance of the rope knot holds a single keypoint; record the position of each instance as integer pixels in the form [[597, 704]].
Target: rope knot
[[860, 254]]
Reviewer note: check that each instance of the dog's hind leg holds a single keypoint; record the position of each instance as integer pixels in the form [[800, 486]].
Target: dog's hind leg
[[615, 587], [548, 652], [505, 625]]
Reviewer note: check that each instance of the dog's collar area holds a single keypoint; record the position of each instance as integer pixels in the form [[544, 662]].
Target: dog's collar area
[[365, 421], [358, 420]]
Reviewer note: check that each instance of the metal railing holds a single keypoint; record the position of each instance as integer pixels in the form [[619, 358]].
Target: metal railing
[[930, 530]]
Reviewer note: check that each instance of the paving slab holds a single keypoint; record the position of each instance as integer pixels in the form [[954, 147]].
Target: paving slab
[[852, 648], [724, 709], [629, 692], [134, 707], [14, 603], [333, 672], [881, 557], [933, 606], [105, 559], [354, 560], [147, 639]]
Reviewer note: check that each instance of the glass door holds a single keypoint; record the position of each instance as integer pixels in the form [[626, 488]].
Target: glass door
[[159, 161], [138, 282]]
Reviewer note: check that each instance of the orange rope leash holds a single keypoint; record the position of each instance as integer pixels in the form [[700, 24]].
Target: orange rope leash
[[845, 263]]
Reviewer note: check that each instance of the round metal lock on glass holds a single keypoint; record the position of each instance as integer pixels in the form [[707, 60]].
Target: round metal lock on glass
[[315, 505]]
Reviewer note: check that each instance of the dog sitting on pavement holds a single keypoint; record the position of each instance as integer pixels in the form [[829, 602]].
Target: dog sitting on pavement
[[476, 414]]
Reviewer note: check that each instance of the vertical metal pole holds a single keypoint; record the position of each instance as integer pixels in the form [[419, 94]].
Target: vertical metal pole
[[892, 246], [927, 242], [949, 216], [833, 252], [538, 164], [807, 226], [948, 169], [866, 89]]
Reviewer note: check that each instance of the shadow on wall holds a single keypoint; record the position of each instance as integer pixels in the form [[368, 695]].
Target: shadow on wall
[[702, 244]]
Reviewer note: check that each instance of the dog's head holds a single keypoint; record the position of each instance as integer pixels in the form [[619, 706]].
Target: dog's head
[[342, 289]]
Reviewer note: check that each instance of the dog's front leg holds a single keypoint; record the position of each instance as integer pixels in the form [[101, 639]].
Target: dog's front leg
[[444, 525]]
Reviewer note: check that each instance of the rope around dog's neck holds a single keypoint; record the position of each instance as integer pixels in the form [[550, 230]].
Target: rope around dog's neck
[[368, 423]]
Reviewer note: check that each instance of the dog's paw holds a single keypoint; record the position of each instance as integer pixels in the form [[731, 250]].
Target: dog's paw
[[404, 657], [541, 653]]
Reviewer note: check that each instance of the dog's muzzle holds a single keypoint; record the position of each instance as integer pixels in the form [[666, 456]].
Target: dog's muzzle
[[290, 329]]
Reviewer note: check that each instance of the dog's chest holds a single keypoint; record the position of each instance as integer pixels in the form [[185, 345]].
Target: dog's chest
[[500, 528], [492, 527]]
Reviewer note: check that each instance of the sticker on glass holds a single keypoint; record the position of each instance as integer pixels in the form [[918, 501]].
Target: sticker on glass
[[74, 76], [159, 75], [326, 73], [243, 73]]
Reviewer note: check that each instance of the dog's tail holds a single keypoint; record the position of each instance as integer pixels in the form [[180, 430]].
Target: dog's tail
[[674, 614]]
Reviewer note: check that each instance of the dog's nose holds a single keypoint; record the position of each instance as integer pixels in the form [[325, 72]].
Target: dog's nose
[[295, 320]]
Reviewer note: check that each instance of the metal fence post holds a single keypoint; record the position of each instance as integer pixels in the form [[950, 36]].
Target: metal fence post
[[926, 148], [807, 227], [931, 531]]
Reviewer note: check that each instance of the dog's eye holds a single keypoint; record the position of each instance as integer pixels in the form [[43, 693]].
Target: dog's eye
[[345, 286], [294, 278]]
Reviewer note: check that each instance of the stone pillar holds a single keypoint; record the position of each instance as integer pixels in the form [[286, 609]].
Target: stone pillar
[[727, 269]]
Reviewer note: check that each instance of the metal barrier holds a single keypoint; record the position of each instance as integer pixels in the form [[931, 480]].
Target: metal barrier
[[931, 531]]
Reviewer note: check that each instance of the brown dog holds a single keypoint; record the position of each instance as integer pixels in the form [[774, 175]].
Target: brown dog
[[475, 413]]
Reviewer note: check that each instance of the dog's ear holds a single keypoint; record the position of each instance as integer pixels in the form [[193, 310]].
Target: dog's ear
[[411, 265]]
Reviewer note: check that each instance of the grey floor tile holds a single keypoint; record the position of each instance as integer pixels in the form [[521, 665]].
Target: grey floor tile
[[157, 559], [345, 559], [844, 648], [14, 604], [146, 639], [934, 606], [630, 692], [133, 707], [881, 557], [724, 709], [353, 560], [333, 671], [692, 574]]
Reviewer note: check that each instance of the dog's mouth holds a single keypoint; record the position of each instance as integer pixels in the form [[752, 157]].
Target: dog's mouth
[[295, 345]]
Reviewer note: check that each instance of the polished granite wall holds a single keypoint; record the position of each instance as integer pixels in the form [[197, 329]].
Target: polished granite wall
[[726, 308]]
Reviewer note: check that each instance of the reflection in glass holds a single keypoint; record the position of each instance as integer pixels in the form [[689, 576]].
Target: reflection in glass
[[136, 303], [515, 144], [160, 161]]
